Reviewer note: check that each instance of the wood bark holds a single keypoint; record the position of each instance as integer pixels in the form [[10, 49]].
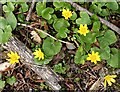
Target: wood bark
[[26, 57]]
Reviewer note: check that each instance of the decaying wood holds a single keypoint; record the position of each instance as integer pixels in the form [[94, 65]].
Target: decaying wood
[[30, 10], [26, 58], [110, 25]]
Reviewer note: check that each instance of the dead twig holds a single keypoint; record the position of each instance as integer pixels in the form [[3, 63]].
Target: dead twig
[[38, 30], [30, 10]]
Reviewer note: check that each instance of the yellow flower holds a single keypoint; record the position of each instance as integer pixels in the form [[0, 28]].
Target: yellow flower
[[94, 57], [13, 57], [108, 79], [39, 54], [83, 29], [66, 13]]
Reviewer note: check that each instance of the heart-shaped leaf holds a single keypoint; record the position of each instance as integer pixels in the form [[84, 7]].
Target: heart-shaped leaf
[[11, 19], [40, 7], [50, 47], [46, 13], [85, 19]]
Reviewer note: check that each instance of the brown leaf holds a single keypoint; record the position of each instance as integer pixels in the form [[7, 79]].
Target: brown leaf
[[70, 46], [4, 66], [35, 37]]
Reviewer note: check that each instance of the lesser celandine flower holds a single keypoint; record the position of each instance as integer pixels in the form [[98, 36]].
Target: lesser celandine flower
[[83, 30], [13, 57], [109, 79], [66, 13], [39, 54], [94, 57]]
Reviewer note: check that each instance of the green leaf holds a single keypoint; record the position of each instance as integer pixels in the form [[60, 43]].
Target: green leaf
[[96, 26], [79, 56], [74, 16], [8, 29], [114, 51], [67, 5], [3, 23], [6, 36], [11, 19], [114, 60], [21, 18], [9, 7], [46, 13], [1, 33], [89, 38], [44, 61], [59, 68], [105, 53], [40, 7], [108, 39], [112, 5], [94, 17], [42, 35], [2, 84], [60, 23], [104, 12], [58, 4], [11, 80], [62, 33], [50, 47], [24, 7], [85, 19]]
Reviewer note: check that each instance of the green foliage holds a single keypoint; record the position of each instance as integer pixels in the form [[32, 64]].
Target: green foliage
[[74, 16], [112, 5], [40, 7], [5, 31], [2, 84], [11, 19], [96, 26], [105, 53], [58, 5], [80, 56], [3, 23], [8, 23], [11, 80], [9, 7], [24, 7], [108, 39], [60, 25], [85, 19], [44, 61], [51, 47], [114, 60], [59, 68], [46, 13]]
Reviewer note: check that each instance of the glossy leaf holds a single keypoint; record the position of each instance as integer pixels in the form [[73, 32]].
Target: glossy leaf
[[85, 19], [112, 5], [51, 47], [40, 7], [3, 23], [11, 19], [46, 13]]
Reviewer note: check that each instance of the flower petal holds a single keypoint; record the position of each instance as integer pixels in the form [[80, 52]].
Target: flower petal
[[105, 83], [109, 82]]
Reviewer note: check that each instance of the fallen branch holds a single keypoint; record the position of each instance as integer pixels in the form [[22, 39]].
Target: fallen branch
[[26, 57], [110, 25], [30, 10]]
